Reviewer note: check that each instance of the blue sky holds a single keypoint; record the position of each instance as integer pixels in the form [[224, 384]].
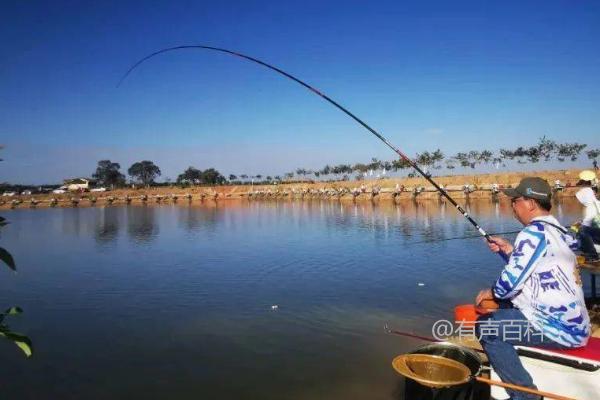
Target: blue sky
[[454, 75]]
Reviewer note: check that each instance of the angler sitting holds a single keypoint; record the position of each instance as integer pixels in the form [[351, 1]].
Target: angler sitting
[[540, 286]]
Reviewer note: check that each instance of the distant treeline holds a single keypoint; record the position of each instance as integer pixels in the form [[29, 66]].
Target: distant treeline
[[145, 172], [544, 150]]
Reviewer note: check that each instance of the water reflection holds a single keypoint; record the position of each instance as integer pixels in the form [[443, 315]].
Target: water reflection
[[107, 225], [558, 210], [195, 218], [71, 222], [408, 220], [189, 218], [405, 221], [141, 223], [420, 220]]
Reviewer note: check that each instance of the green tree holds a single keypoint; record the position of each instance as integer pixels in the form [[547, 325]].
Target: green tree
[[424, 159], [437, 157], [108, 174], [232, 177], [507, 154], [547, 148], [190, 176], [463, 159], [375, 164], [359, 167], [533, 154], [498, 161], [486, 156], [144, 172], [451, 163], [212, 177], [400, 163], [474, 158], [337, 170], [428, 159], [593, 154], [570, 151]]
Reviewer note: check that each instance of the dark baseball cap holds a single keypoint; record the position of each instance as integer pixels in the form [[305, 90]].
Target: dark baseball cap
[[531, 187]]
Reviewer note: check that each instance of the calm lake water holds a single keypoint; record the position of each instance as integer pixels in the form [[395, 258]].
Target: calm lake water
[[175, 302]]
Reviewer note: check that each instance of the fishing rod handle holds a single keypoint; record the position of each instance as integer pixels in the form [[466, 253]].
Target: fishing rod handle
[[523, 389]]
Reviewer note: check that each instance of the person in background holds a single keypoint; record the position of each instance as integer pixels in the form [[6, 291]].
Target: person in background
[[541, 286], [588, 230], [588, 178]]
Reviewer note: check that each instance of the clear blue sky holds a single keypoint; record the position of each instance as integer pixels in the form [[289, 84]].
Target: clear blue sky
[[454, 75]]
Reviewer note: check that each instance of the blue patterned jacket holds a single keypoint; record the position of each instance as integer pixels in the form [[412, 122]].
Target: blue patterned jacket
[[541, 279]]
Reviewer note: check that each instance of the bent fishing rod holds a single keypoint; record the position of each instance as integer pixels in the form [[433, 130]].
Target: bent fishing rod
[[338, 106]]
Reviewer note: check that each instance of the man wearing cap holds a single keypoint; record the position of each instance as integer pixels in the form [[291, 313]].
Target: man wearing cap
[[539, 287], [588, 230]]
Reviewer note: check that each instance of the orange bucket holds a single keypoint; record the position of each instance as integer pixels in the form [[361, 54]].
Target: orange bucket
[[466, 313]]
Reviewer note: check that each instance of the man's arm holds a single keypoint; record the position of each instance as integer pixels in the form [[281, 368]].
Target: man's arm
[[530, 245]]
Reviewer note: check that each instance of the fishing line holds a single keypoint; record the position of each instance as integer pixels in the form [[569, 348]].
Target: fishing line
[[462, 237], [337, 105]]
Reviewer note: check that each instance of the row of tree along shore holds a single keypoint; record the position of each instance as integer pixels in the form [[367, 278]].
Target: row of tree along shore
[[463, 187], [146, 172]]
